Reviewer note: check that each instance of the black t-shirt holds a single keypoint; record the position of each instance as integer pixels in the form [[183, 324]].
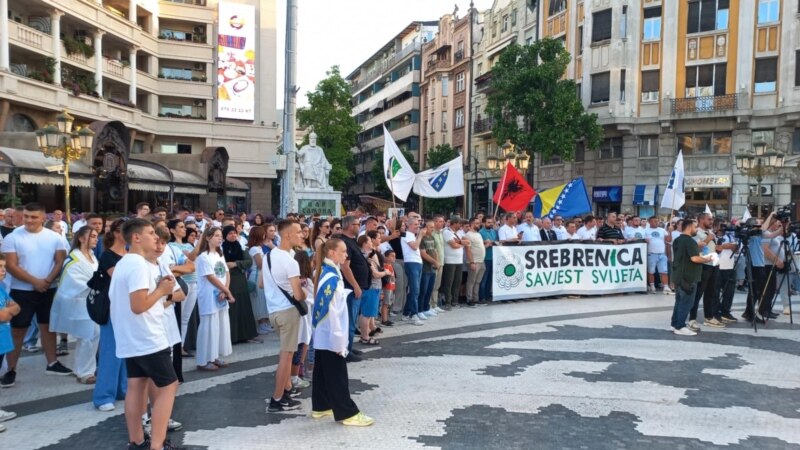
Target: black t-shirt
[[358, 264], [397, 247], [108, 260], [684, 270], [607, 232], [4, 230]]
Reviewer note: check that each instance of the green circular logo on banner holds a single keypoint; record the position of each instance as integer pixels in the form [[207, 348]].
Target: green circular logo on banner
[[509, 270]]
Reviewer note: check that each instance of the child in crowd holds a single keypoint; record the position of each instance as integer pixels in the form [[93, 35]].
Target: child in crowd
[[8, 309], [214, 295], [387, 293], [304, 332]]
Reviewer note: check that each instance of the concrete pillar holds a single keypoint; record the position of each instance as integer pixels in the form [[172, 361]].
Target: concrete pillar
[[132, 10], [4, 63], [132, 88], [98, 60], [55, 28]]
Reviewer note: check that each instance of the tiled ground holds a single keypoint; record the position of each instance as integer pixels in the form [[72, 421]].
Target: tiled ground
[[591, 373]]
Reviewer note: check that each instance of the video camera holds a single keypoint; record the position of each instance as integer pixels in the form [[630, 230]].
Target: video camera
[[785, 213], [743, 231]]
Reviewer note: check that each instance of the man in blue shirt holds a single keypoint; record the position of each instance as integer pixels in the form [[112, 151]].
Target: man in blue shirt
[[756, 246], [489, 234]]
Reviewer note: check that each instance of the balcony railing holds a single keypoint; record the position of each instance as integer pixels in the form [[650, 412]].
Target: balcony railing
[[384, 66], [483, 125], [705, 104]]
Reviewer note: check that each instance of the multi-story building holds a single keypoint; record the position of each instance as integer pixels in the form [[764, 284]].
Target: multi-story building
[[705, 77], [386, 91], [175, 118]]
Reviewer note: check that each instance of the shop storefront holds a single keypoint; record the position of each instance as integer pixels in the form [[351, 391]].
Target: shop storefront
[[607, 199], [645, 197], [711, 190]]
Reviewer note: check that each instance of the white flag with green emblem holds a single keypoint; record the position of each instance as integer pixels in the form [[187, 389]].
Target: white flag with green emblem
[[396, 170]]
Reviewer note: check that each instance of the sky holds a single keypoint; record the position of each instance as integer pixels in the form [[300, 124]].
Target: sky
[[347, 32]]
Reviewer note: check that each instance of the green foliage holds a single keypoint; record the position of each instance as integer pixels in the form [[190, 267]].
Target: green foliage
[[377, 172], [74, 46], [435, 158], [528, 83], [329, 115]]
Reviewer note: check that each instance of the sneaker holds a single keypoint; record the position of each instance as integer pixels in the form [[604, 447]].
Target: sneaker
[[359, 420], [62, 349], [472, 305], [8, 379], [727, 318], [685, 331], [31, 348], [264, 328], [321, 414], [300, 384], [714, 323], [392, 314], [174, 425], [692, 325], [145, 445], [438, 310], [431, 313], [57, 369], [2, 428], [417, 322], [106, 407], [651, 289], [421, 316], [667, 291], [282, 405], [404, 318], [387, 323], [291, 393], [6, 415]]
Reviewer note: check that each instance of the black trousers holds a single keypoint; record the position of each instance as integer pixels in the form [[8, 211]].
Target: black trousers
[[755, 291], [727, 282], [708, 290], [330, 388], [177, 357]]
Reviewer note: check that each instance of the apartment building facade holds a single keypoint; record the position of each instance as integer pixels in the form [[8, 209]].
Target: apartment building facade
[[178, 121], [706, 77], [386, 91]]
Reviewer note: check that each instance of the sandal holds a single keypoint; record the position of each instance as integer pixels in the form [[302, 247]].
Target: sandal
[[219, 363], [370, 341], [210, 367], [376, 331], [91, 379]]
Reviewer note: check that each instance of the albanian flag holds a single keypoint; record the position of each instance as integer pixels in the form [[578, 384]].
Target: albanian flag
[[513, 193]]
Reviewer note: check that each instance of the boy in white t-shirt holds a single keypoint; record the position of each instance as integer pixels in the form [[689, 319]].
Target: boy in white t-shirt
[[140, 292]]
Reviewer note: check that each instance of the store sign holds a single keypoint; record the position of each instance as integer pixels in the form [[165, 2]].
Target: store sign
[[607, 194], [325, 208], [236, 61], [706, 181]]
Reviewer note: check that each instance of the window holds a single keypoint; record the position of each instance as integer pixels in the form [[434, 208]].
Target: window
[[514, 18], [623, 24], [432, 129], [797, 68], [705, 143], [611, 148], [175, 148], [445, 81], [768, 11], [494, 29], [178, 110], [648, 146], [554, 159], [705, 81], [557, 6], [766, 74], [505, 23], [528, 41], [600, 87], [444, 120], [579, 42], [578, 91], [652, 24], [138, 147], [796, 142], [460, 83], [580, 152], [184, 149], [650, 85], [707, 15], [172, 73], [601, 26], [767, 136], [459, 118], [622, 85]]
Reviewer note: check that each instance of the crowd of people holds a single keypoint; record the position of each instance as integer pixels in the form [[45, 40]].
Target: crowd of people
[[186, 286]]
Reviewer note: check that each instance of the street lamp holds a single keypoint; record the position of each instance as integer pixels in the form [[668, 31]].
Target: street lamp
[[60, 142], [759, 163]]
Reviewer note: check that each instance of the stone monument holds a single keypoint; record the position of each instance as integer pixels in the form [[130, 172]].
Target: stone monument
[[313, 193]]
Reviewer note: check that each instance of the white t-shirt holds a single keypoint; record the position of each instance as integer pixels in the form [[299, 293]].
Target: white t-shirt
[[656, 240], [64, 228], [506, 233], [166, 261], [452, 255], [634, 233], [727, 257], [561, 233], [136, 334], [530, 233], [210, 263], [476, 246], [35, 253], [586, 235], [78, 225], [284, 267], [410, 255]]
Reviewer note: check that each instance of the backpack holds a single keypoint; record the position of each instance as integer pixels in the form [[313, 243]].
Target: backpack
[[97, 302]]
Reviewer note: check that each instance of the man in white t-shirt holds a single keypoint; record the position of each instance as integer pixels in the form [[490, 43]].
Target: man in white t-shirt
[[281, 280], [588, 232], [559, 228], [528, 229], [412, 264], [453, 261], [633, 229], [80, 223], [34, 257], [140, 292], [657, 241], [508, 233], [58, 216], [476, 253]]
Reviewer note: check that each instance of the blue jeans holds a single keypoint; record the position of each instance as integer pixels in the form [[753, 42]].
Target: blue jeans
[[683, 304], [414, 276], [112, 377], [425, 290], [353, 308], [486, 282]]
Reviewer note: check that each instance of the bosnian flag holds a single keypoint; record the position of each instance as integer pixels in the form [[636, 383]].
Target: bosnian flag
[[396, 170], [674, 195], [444, 181]]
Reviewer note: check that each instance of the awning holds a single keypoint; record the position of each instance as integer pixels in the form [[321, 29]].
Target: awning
[[33, 168], [190, 190], [189, 183], [53, 179], [645, 195], [235, 187], [145, 178]]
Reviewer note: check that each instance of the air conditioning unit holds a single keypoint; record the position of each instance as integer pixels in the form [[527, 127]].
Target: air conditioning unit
[[200, 66], [199, 103], [200, 29]]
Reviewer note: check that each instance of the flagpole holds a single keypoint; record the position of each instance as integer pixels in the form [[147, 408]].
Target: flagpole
[[502, 185]]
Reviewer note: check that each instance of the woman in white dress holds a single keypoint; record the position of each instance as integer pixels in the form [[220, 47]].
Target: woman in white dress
[[213, 296]]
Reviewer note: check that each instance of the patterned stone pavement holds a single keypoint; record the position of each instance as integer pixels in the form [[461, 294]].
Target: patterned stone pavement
[[592, 373]]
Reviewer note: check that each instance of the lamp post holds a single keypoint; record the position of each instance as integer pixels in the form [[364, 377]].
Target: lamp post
[[759, 163], [60, 142]]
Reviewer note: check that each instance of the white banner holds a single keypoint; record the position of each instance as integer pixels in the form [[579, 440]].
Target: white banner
[[558, 268], [236, 61]]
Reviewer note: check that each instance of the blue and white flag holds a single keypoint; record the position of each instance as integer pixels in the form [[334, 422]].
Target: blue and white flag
[[674, 194], [444, 181]]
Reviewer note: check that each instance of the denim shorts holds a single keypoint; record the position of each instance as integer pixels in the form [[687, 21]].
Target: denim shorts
[[369, 302]]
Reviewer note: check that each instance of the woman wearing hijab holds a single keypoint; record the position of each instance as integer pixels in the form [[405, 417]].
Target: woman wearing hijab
[[243, 322]]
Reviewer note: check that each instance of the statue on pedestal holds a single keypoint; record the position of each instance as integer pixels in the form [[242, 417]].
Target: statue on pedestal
[[314, 166]]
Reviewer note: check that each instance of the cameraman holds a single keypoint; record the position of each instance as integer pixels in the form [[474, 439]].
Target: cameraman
[[784, 273], [757, 246], [728, 246]]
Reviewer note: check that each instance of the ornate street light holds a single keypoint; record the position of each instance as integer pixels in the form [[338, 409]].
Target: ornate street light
[[759, 163], [60, 142]]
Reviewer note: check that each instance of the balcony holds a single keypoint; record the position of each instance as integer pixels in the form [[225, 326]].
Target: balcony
[[705, 104], [483, 83], [383, 66], [439, 64], [482, 126], [182, 50], [186, 88], [390, 113], [191, 10], [27, 37]]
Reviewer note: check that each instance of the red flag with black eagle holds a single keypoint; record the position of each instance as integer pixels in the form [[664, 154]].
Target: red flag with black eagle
[[513, 193]]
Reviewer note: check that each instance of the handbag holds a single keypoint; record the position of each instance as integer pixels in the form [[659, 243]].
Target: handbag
[[98, 305], [301, 306]]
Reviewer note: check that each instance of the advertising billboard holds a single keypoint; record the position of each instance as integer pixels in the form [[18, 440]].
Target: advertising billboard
[[236, 61]]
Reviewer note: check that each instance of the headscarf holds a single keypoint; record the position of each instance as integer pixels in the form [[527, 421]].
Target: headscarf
[[232, 250]]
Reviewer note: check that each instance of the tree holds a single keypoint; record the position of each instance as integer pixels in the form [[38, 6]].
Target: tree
[[377, 171], [329, 115], [535, 106], [435, 158]]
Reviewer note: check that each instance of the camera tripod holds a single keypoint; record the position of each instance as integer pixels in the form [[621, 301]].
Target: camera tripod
[[789, 267], [752, 303]]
